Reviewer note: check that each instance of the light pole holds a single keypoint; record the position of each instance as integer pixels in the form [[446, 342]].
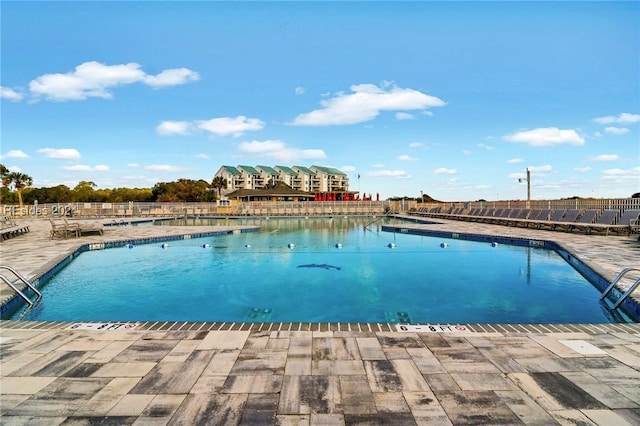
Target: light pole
[[528, 179]]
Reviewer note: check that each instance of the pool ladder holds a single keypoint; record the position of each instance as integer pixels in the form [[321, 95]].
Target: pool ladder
[[16, 289], [615, 281]]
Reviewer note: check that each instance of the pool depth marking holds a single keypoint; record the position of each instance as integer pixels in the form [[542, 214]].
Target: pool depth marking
[[102, 326], [431, 328]]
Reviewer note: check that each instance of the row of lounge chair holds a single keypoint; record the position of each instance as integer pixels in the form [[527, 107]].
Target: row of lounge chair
[[587, 221], [61, 228], [10, 229]]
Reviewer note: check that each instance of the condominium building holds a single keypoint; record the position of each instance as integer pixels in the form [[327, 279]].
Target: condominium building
[[314, 179]]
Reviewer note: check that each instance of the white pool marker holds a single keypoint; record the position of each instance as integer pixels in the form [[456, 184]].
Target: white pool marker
[[582, 347], [391, 245], [444, 245]]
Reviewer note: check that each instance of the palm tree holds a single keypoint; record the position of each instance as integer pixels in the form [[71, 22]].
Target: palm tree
[[19, 182], [218, 183]]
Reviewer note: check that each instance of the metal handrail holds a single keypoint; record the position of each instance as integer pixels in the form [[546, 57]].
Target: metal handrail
[[16, 289], [627, 293], [615, 281], [21, 278]]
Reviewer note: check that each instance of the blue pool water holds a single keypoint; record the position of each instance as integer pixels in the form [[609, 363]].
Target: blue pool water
[[338, 271]]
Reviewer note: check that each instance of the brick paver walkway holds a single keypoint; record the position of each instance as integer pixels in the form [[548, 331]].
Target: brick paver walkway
[[188, 373]]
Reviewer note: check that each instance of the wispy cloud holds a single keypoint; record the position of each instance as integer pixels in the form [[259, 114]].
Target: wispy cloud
[[95, 80], [61, 153], [445, 171], [416, 145], [605, 157], [234, 126], [365, 103], [300, 90], [406, 157], [404, 116], [515, 161], [14, 153], [396, 174], [10, 94], [203, 156], [169, 128], [85, 168], [624, 118], [546, 136], [485, 147], [621, 176], [581, 169], [348, 169], [278, 150], [163, 168], [618, 131]]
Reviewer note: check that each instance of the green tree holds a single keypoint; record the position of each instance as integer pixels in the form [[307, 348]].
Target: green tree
[[218, 183], [84, 191], [19, 181]]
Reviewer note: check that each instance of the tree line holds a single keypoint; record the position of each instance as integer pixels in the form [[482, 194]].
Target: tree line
[[17, 189]]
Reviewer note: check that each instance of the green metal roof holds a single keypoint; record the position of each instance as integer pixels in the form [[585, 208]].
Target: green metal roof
[[232, 170], [268, 169], [287, 170], [249, 170], [304, 170], [330, 170]]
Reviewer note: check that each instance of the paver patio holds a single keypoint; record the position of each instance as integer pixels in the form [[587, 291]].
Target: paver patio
[[216, 373]]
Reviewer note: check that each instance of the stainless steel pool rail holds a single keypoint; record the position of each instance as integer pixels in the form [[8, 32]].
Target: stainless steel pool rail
[[16, 289], [615, 281]]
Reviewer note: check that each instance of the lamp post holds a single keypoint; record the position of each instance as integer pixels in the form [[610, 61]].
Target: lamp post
[[528, 179]]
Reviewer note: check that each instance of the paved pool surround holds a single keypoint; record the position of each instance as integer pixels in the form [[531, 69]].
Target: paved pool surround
[[301, 373]]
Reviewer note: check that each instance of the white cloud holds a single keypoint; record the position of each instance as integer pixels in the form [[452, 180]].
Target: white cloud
[[15, 169], [300, 90], [445, 171], [133, 165], [10, 94], [404, 116], [605, 157], [546, 136], [223, 126], [466, 152], [85, 168], [163, 168], [203, 156], [515, 161], [581, 169], [14, 153], [378, 166], [406, 157], [62, 153], [597, 134], [397, 174], [171, 77], [278, 150], [416, 145], [94, 80], [616, 130], [486, 147], [624, 118], [167, 128], [364, 104], [620, 176], [348, 169], [540, 170]]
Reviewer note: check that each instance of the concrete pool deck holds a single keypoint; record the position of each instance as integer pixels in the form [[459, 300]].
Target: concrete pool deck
[[216, 373]]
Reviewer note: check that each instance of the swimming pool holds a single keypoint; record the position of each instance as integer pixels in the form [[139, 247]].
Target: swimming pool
[[321, 270]]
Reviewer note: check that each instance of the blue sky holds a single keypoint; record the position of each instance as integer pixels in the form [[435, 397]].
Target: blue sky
[[455, 99]]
